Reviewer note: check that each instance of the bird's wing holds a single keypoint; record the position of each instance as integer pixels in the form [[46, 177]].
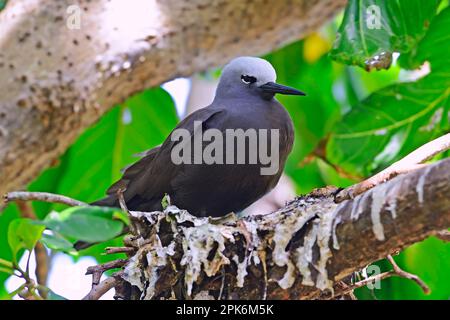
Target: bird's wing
[[151, 175], [132, 171]]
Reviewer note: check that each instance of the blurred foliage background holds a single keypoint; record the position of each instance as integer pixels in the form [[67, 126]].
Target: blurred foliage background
[[352, 124]]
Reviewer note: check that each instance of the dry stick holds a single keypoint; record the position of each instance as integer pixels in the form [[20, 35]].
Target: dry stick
[[123, 206], [409, 163], [42, 196], [97, 271], [112, 250], [122, 202], [398, 271], [363, 283], [444, 235], [100, 289]]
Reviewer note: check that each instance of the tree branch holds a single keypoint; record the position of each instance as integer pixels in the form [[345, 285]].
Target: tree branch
[[57, 78], [42, 196], [103, 287], [412, 161], [304, 251]]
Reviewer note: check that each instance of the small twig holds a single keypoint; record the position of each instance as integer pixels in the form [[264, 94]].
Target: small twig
[[99, 290], [222, 286], [97, 271], [444, 235], [27, 268], [398, 271], [112, 250], [363, 283], [42, 196], [411, 162], [123, 205]]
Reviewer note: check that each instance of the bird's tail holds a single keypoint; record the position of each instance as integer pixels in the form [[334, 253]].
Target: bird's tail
[[109, 201]]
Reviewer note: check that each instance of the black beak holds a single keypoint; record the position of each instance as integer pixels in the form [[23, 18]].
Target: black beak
[[272, 87]]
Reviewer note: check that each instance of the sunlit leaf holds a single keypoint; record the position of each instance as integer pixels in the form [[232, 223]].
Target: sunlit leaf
[[57, 242], [91, 224], [23, 234], [373, 29], [397, 119]]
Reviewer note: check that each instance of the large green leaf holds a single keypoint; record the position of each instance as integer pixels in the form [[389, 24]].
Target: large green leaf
[[57, 242], [91, 224], [397, 119], [23, 234], [373, 29]]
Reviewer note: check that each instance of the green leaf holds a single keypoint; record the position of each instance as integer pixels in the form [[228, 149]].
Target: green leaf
[[23, 234], [390, 123], [373, 29], [399, 118], [57, 242], [3, 4], [6, 216], [91, 224], [435, 45], [54, 296]]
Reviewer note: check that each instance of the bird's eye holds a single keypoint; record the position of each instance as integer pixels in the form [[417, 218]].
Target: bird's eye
[[248, 79]]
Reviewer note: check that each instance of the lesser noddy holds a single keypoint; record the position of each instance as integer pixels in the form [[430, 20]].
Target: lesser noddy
[[244, 100]]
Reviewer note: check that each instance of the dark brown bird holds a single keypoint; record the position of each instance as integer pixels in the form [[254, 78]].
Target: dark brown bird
[[244, 100]]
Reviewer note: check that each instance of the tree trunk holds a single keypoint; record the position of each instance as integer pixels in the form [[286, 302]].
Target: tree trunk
[[58, 77]]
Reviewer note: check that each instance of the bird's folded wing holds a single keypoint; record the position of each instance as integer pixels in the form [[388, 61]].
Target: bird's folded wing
[[146, 166], [133, 171]]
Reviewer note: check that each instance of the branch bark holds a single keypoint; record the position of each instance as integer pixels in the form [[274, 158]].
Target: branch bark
[[55, 81], [303, 251]]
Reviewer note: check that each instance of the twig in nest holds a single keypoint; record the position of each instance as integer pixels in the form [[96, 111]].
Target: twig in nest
[[112, 250], [444, 235], [412, 161], [100, 289], [42, 196], [401, 273], [98, 270], [123, 205], [122, 202]]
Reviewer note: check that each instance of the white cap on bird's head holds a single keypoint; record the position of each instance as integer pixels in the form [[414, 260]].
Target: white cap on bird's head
[[252, 73]]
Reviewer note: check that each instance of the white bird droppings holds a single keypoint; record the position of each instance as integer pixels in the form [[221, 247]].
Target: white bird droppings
[[378, 200]]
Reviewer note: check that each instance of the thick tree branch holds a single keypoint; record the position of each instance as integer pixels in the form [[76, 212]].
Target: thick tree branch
[[412, 161], [303, 251], [41, 196], [57, 79]]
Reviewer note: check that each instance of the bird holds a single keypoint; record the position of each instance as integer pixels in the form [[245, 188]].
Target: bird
[[244, 99]]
